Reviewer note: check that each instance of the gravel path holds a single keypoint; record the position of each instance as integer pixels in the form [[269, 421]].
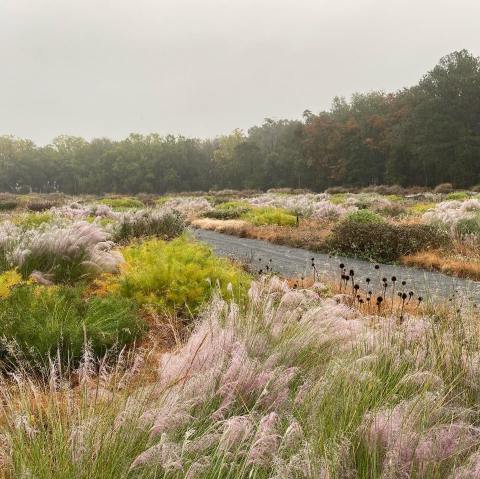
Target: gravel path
[[297, 262]]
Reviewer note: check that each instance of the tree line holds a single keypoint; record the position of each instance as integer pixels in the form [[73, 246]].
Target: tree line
[[419, 136]]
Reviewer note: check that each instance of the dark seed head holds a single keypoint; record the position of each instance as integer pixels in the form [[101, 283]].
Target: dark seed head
[[367, 280], [420, 299], [394, 278], [357, 287], [379, 299], [384, 280], [342, 266], [352, 272], [377, 266], [404, 296], [410, 294], [404, 283]]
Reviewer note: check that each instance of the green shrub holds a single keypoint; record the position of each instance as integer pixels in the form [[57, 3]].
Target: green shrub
[[383, 242], [338, 198], [229, 210], [180, 275], [41, 320], [458, 195], [32, 220], [420, 208], [364, 217], [40, 205], [121, 203], [8, 205], [138, 224], [468, 226], [269, 216]]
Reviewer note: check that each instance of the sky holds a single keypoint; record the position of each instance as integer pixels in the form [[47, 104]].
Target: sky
[[107, 68]]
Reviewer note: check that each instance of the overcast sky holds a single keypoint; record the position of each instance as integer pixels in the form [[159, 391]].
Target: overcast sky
[[204, 67]]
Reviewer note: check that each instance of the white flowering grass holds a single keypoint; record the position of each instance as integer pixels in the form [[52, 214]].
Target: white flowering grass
[[62, 252], [315, 206], [453, 211], [292, 385]]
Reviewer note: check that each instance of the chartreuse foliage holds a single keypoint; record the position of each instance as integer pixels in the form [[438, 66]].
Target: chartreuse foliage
[[269, 216], [179, 275], [122, 203]]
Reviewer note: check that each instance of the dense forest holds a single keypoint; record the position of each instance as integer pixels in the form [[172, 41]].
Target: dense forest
[[423, 135]]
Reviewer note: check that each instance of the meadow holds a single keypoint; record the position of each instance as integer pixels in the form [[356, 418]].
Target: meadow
[[129, 350]]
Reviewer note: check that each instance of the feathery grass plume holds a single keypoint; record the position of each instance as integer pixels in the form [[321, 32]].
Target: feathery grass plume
[[162, 222], [66, 253], [188, 207], [288, 384]]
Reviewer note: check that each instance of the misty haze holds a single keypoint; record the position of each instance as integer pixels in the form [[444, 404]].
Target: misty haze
[[239, 239]]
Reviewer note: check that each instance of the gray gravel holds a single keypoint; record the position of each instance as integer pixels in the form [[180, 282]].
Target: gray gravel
[[297, 262]]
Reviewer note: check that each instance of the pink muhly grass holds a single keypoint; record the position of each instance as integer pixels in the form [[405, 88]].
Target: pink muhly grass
[[236, 431], [444, 442], [265, 442], [470, 470], [198, 468], [165, 454]]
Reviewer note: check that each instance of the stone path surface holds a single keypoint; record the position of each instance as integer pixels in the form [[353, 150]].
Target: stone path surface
[[297, 262]]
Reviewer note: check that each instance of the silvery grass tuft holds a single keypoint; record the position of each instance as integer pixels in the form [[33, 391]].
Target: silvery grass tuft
[[188, 206], [163, 222], [309, 205], [453, 211], [290, 385], [65, 252]]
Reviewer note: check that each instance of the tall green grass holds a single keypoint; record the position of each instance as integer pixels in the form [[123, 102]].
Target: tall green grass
[[318, 391], [38, 321]]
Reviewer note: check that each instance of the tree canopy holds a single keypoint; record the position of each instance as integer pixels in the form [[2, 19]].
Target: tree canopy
[[422, 135]]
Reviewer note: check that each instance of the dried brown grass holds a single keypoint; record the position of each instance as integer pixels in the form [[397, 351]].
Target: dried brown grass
[[440, 261], [309, 234]]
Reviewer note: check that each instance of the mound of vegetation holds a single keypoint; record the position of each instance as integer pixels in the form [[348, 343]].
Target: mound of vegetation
[[230, 210], [7, 205], [36, 321], [163, 224], [66, 254], [40, 205], [122, 203], [269, 216], [177, 276], [368, 238]]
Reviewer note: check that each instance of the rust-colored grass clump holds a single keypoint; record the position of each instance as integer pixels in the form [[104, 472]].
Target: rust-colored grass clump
[[309, 234], [438, 260]]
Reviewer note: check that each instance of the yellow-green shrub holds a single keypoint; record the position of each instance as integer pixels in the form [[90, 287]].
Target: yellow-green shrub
[[269, 216], [421, 208], [32, 220], [122, 202], [178, 275]]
